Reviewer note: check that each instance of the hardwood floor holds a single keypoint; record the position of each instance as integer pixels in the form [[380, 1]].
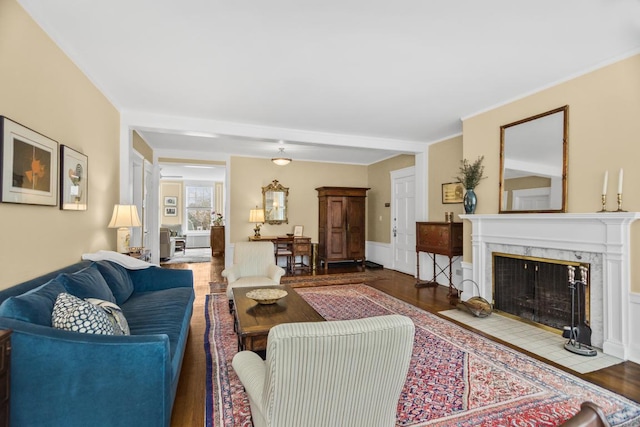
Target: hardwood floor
[[188, 409]]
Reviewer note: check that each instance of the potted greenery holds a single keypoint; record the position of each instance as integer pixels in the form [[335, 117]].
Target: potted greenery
[[470, 176]]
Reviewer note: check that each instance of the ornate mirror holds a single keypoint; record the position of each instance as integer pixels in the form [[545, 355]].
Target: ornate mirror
[[533, 163], [274, 203]]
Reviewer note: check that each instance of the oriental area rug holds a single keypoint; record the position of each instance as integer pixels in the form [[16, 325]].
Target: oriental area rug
[[312, 281], [456, 377]]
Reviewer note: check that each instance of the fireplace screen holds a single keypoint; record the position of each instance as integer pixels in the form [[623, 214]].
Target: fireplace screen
[[536, 289]]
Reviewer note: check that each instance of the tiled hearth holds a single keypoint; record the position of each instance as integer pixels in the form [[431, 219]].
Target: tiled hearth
[[600, 239]]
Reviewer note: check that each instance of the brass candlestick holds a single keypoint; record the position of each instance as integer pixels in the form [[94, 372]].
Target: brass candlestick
[[604, 203], [620, 203]]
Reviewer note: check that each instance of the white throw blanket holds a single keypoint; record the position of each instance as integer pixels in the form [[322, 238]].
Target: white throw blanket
[[122, 259]]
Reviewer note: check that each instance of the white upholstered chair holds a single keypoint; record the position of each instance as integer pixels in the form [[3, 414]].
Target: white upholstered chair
[[253, 265], [338, 373]]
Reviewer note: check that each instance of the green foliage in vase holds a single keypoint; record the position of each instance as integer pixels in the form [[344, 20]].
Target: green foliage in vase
[[471, 173]]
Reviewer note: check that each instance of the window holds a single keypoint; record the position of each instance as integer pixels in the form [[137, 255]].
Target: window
[[199, 204]]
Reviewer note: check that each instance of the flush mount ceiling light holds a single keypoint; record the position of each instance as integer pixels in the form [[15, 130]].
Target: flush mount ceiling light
[[281, 160]]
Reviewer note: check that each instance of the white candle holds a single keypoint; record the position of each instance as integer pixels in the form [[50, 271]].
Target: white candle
[[620, 181], [606, 181]]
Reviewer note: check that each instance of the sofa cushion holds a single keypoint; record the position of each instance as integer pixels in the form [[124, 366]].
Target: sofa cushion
[[34, 306], [74, 314], [160, 312], [117, 279], [119, 322], [87, 283]]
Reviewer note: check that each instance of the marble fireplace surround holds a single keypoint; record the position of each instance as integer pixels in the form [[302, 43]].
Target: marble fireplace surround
[[600, 239]]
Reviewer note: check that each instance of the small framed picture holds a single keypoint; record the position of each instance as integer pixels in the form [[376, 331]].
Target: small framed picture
[[73, 179], [170, 211], [297, 231], [29, 165], [452, 192], [171, 201]]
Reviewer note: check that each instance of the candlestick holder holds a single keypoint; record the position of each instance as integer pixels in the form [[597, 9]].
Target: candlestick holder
[[604, 203], [620, 203]]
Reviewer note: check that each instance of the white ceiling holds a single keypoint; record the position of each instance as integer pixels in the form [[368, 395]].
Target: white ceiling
[[396, 73]]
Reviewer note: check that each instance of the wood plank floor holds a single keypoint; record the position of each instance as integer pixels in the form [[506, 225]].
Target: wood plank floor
[[188, 409]]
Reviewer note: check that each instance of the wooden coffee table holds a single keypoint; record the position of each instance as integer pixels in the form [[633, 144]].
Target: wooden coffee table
[[253, 321]]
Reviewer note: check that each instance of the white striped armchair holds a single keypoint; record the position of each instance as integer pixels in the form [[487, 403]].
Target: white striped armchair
[[338, 373]]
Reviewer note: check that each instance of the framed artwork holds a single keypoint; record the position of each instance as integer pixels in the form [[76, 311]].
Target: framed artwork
[[29, 165], [170, 211], [73, 179], [171, 201], [452, 192], [297, 231]]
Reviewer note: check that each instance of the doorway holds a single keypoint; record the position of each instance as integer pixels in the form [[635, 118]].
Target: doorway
[[403, 220]]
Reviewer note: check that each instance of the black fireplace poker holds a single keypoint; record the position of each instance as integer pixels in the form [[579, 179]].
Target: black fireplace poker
[[579, 333]]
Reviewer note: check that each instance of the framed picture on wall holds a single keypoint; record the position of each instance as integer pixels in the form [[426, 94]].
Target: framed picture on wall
[[452, 192], [29, 165], [171, 201], [170, 211], [73, 179], [297, 230]]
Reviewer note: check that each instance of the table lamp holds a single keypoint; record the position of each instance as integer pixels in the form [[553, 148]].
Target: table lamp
[[256, 215], [124, 217]]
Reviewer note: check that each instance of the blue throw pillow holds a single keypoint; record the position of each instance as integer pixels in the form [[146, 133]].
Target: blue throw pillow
[[34, 306], [87, 283], [117, 279]]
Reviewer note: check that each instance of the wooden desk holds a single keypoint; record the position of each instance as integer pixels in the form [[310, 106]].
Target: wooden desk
[[300, 248], [441, 238]]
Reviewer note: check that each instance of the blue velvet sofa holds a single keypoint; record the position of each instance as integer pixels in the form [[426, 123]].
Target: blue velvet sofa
[[65, 378]]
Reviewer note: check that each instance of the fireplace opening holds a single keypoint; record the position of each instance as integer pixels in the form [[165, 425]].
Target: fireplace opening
[[537, 290]]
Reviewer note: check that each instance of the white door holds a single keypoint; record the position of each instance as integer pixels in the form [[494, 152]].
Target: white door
[[403, 220]]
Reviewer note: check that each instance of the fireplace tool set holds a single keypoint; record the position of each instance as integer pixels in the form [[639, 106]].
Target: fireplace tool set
[[579, 333]]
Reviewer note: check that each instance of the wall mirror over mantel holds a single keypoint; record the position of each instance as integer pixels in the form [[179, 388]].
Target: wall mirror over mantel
[[533, 163], [274, 203]]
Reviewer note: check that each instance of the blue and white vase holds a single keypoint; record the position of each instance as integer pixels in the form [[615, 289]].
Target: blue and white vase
[[470, 201]]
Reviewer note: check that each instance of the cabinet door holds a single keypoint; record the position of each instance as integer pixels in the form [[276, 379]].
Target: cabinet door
[[337, 227], [356, 227]]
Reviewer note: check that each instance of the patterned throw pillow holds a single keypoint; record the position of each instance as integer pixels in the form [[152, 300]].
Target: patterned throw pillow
[[73, 314], [119, 322]]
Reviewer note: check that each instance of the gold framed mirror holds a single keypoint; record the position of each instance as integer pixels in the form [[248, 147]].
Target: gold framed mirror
[[533, 163], [275, 203]]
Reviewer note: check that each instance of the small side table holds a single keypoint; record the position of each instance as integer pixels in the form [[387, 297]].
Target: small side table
[[142, 255], [181, 244]]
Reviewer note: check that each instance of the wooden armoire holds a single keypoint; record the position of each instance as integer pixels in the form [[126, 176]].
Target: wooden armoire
[[341, 228]]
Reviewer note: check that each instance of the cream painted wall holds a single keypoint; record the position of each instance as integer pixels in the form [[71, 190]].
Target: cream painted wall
[[249, 175], [141, 146], [42, 89], [444, 164], [171, 189], [604, 128], [379, 180]]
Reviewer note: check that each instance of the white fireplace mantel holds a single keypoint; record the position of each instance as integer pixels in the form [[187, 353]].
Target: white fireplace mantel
[[607, 234]]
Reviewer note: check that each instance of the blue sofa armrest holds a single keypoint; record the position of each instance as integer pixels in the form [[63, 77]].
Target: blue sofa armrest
[[156, 278], [62, 378]]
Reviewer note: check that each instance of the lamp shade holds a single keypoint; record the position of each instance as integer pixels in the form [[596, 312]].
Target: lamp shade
[[256, 215], [281, 160], [124, 216]]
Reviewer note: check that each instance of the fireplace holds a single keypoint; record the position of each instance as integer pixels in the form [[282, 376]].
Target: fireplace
[[536, 290], [601, 240]]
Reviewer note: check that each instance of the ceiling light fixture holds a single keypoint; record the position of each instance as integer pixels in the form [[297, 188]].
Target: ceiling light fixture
[[282, 160]]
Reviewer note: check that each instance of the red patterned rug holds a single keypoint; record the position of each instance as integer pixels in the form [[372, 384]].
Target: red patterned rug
[[456, 378]]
